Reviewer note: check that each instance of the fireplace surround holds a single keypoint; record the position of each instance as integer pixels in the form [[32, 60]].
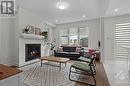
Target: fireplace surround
[[23, 42]]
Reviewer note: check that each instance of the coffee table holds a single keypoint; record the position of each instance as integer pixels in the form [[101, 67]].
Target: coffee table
[[55, 59]]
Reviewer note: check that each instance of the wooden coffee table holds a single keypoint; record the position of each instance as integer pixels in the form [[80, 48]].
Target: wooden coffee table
[[55, 59]]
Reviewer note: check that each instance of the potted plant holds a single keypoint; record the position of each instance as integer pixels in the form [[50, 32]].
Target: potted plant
[[45, 34], [26, 30]]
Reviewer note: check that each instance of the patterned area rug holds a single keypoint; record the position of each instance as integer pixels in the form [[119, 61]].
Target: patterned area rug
[[46, 75]]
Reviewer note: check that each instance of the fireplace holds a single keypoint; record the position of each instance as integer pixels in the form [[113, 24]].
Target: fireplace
[[32, 51]]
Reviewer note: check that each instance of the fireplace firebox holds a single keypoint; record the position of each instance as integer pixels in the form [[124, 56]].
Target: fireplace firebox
[[32, 51]]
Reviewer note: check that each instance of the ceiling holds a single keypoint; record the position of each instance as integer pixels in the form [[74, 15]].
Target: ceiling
[[77, 8], [123, 7]]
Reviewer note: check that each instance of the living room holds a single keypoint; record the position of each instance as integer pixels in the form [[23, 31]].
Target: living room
[[68, 29]]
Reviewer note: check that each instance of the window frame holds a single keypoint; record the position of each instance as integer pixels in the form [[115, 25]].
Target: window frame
[[78, 34]]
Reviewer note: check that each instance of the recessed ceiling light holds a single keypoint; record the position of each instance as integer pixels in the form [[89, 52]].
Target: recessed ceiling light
[[116, 10], [56, 21], [62, 5], [83, 16]]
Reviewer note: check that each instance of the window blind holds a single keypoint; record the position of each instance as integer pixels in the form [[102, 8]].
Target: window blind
[[74, 35], [122, 38]]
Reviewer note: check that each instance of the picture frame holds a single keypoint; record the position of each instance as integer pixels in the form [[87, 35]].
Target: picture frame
[[37, 31]]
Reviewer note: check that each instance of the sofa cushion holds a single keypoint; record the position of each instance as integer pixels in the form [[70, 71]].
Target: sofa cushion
[[78, 49], [69, 49]]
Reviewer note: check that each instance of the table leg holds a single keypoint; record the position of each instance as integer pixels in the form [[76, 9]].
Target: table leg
[[41, 63], [60, 66], [65, 64]]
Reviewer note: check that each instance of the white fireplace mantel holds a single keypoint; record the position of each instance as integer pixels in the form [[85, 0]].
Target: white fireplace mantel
[[32, 36]]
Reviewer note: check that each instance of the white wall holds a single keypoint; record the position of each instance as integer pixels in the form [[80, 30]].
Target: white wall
[[0, 40], [93, 34], [109, 27], [27, 17], [7, 39]]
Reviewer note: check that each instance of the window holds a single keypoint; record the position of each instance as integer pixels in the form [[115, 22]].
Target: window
[[74, 36], [64, 36], [122, 40], [83, 36]]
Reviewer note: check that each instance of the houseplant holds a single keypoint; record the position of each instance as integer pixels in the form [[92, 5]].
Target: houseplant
[[45, 34], [26, 30]]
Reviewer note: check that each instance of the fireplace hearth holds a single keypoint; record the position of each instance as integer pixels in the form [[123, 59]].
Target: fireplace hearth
[[32, 51]]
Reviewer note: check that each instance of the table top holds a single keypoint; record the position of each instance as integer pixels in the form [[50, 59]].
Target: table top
[[6, 71], [55, 59]]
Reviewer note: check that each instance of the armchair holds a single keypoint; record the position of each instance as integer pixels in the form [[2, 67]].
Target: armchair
[[83, 69]]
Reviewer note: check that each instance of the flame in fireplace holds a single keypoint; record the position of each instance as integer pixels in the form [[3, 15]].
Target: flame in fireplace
[[33, 53]]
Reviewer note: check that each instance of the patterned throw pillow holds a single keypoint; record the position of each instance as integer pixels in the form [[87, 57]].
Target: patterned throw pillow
[[78, 49], [60, 49]]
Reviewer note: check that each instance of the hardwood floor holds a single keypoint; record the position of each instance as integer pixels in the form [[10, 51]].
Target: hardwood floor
[[101, 76]]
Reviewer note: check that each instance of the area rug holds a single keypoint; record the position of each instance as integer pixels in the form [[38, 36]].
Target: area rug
[[47, 75]]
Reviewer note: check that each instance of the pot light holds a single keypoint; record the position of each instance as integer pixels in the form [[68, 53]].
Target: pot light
[[83, 16], [62, 5], [116, 10], [56, 21]]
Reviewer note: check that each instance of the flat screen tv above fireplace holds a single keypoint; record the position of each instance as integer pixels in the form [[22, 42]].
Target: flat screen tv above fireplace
[[32, 51]]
